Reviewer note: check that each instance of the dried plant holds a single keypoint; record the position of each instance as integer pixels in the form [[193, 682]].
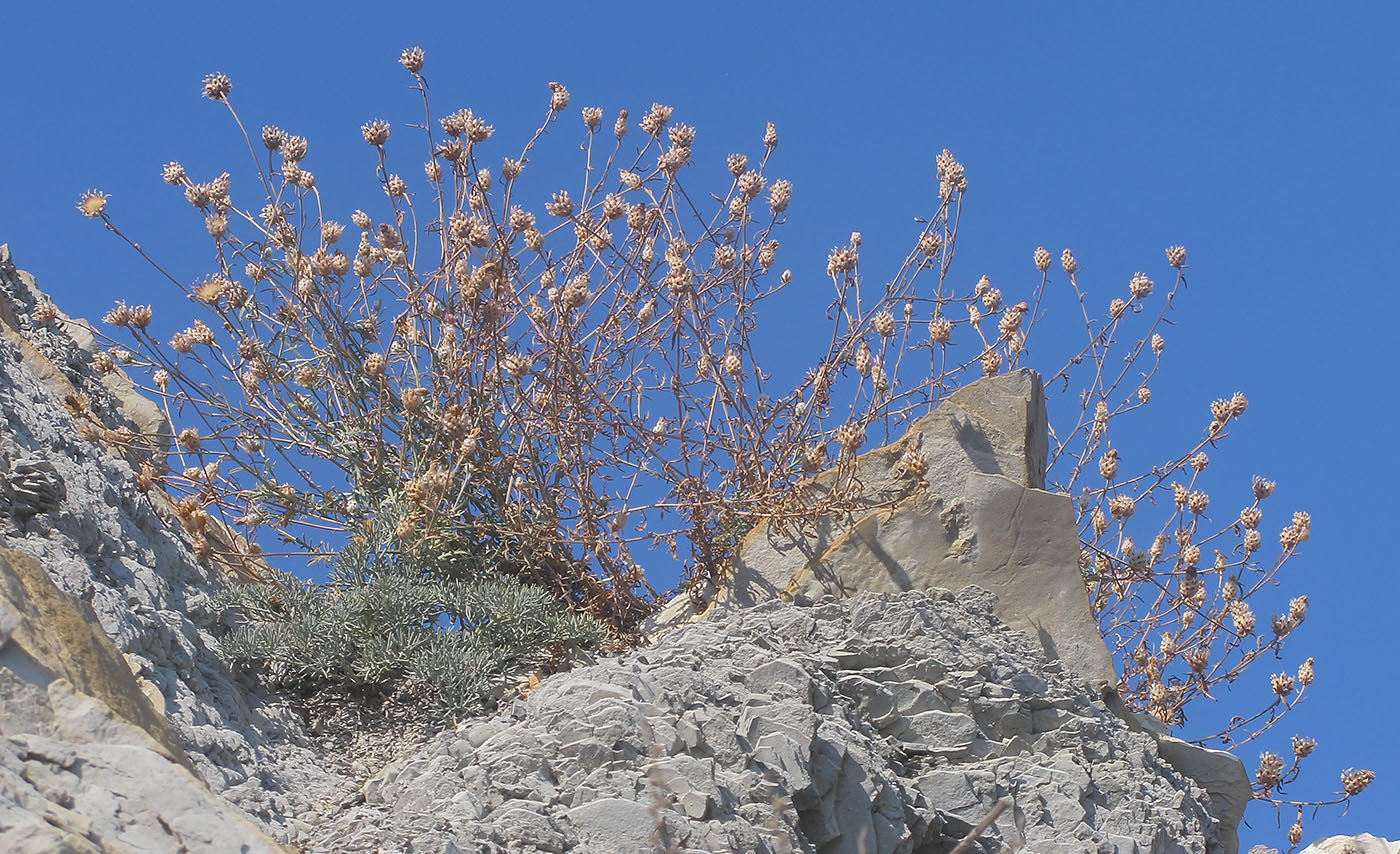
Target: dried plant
[[556, 386]]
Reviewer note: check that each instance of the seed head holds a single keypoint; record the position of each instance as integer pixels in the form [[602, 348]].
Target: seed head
[[864, 359], [1117, 308], [293, 149], [375, 365], [1242, 616], [1067, 261], [884, 324], [929, 243], [273, 137], [1197, 502], [1270, 772], [592, 117], [1042, 259], [412, 59], [217, 86], [780, 195], [560, 205], [93, 203], [172, 173], [1108, 464], [1305, 672], [1263, 488], [1249, 518], [736, 163], [655, 120], [1158, 344], [914, 462], [940, 330], [1302, 523], [375, 132], [841, 260], [1176, 256], [770, 136], [1282, 684], [1140, 286], [1121, 506], [558, 97], [1303, 747], [395, 188], [188, 439], [850, 436], [991, 362], [768, 254], [1098, 521], [517, 365], [1354, 782], [1295, 831]]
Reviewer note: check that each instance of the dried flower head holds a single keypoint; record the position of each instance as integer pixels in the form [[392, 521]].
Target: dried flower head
[[412, 59], [1140, 286], [1121, 506], [1263, 488], [1108, 464], [1176, 256], [1249, 518], [655, 120], [1282, 684], [93, 203], [770, 136], [217, 86], [780, 195], [1068, 263], [1158, 344], [1242, 616], [1270, 772], [1306, 673], [592, 117], [1042, 259], [1354, 782], [273, 137], [850, 436], [375, 132], [1303, 747], [558, 97], [940, 330]]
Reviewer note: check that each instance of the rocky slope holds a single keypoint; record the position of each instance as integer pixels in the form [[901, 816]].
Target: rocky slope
[[893, 719]]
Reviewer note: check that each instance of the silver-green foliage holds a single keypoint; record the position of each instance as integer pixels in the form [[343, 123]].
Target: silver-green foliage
[[386, 625]]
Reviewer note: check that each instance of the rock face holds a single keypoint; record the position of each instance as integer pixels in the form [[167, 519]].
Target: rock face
[[979, 515], [888, 722], [86, 763], [72, 507], [836, 698]]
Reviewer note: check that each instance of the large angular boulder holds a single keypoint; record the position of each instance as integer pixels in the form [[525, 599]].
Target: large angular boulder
[[979, 515]]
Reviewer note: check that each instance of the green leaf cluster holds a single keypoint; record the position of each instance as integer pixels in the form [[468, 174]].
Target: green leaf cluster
[[386, 625]]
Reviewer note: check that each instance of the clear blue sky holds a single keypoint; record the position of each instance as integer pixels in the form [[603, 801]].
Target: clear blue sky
[[1261, 136]]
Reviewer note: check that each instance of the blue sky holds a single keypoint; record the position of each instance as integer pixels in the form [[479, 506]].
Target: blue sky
[[1261, 136]]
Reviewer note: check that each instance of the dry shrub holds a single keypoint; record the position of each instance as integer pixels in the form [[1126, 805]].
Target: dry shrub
[[557, 391]]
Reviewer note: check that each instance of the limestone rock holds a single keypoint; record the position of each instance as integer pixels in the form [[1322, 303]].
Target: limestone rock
[[1363, 843], [979, 516], [882, 723], [86, 763]]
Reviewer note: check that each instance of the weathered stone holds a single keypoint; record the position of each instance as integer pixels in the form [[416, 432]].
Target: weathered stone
[[980, 516], [80, 738], [1363, 843]]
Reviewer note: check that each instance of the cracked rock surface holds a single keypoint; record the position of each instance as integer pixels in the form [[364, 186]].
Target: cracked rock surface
[[890, 722]]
